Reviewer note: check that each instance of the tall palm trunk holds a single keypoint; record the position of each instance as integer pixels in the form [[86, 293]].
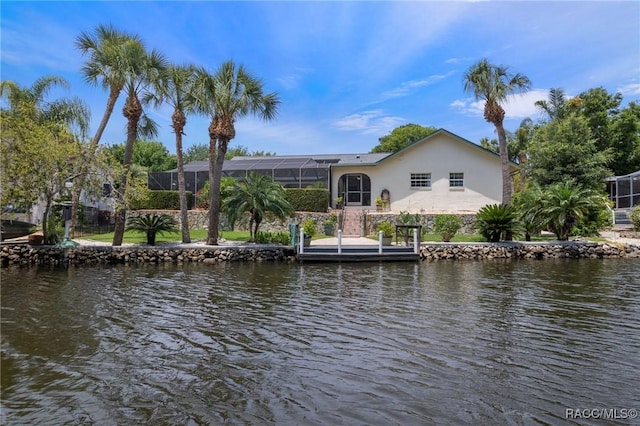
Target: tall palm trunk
[[179, 121], [132, 111], [215, 176], [114, 93], [504, 161]]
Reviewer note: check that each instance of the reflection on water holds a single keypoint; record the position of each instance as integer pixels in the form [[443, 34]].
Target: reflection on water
[[431, 343]]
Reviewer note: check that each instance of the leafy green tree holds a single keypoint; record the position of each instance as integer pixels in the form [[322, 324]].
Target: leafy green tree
[[494, 84], [401, 137], [228, 95], [527, 203], [152, 225], [564, 150], [257, 195], [625, 141], [39, 151], [198, 152], [153, 156]]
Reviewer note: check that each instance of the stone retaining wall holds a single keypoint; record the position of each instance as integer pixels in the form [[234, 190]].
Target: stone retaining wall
[[515, 250], [24, 254]]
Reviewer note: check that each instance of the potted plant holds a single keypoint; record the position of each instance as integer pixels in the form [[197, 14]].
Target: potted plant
[[447, 225], [338, 201], [309, 228], [380, 204], [329, 224], [387, 232]]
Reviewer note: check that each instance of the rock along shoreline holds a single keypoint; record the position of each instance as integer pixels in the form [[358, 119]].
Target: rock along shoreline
[[23, 254]]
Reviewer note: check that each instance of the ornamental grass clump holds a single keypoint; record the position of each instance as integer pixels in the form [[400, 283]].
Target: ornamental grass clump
[[152, 224]]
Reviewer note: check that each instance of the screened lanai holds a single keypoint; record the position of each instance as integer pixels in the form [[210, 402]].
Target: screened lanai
[[624, 191], [290, 171]]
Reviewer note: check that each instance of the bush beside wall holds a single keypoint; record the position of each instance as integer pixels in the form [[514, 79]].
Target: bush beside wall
[[163, 200], [308, 200]]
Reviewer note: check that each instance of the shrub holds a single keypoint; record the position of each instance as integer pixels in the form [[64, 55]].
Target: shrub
[[407, 218], [272, 238], [152, 224], [495, 219], [635, 218], [162, 200], [309, 227], [386, 228], [308, 200], [447, 225]]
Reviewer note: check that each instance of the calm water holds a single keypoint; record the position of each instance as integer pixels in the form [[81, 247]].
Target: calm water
[[365, 344]]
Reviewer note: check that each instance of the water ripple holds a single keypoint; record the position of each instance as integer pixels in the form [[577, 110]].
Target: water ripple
[[440, 343]]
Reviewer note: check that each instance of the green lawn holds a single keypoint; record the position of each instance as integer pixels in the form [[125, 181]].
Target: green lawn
[[196, 235]]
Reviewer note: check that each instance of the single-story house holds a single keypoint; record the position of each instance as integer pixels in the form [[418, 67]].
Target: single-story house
[[440, 173]]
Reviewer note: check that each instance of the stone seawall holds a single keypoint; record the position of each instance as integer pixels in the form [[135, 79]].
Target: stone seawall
[[528, 250], [24, 254]]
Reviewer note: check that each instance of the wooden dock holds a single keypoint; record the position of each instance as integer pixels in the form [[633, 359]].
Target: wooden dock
[[368, 253]]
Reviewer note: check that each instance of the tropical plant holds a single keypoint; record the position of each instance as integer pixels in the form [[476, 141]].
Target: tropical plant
[[635, 218], [176, 87], [494, 220], [556, 107], [152, 224], [309, 227], [258, 195], [386, 228], [527, 202], [494, 84], [229, 94], [565, 204], [447, 225]]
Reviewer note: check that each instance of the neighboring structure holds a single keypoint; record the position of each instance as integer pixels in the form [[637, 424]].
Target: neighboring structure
[[624, 191], [440, 173]]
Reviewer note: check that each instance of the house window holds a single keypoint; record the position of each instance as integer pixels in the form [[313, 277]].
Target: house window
[[456, 180], [420, 180]]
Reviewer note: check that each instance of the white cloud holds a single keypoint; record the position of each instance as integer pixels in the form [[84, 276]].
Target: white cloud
[[408, 87], [517, 106], [369, 122], [630, 89]]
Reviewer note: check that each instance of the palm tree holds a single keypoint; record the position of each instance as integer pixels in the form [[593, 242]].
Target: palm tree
[[563, 206], [107, 50], [229, 94], [145, 70], [258, 194], [152, 224], [175, 88], [494, 84]]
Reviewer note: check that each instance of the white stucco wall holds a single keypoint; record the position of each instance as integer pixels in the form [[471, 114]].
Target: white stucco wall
[[439, 155]]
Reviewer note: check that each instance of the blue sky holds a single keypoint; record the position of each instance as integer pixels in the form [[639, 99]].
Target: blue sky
[[347, 73]]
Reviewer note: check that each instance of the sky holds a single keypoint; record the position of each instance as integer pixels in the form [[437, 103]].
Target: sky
[[346, 72]]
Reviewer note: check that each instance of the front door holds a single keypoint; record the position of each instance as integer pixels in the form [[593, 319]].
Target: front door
[[354, 190]]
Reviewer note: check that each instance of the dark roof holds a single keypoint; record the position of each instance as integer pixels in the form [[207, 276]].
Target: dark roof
[[272, 162]]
